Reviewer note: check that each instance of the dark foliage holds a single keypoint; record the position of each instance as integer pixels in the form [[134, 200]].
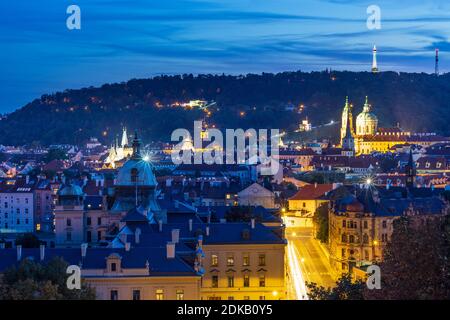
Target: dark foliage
[[418, 101]]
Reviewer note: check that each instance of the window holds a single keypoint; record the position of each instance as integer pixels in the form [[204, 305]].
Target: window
[[366, 226], [159, 294], [214, 260], [99, 221], [215, 281], [262, 297], [69, 236], [180, 294], [262, 260], [136, 294], [230, 298], [304, 204], [18, 221], [351, 239], [134, 175], [230, 260], [88, 221], [246, 280], [366, 255], [69, 222], [99, 235], [365, 238], [262, 280], [26, 210], [114, 294], [89, 236], [344, 238], [113, 267], [246, 260], [344, 224], [343, 253], [384, 223], [230, 281]]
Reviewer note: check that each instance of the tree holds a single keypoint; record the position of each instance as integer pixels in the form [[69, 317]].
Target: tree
[[345, 289], [320, 220], [55, 154], [416, 261], [36, 281], [28, 240]]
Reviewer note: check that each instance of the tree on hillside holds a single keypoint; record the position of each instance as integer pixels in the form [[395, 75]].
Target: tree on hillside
[[35, 281]]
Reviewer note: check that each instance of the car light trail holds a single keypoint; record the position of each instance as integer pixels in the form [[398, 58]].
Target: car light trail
[[296, 273]]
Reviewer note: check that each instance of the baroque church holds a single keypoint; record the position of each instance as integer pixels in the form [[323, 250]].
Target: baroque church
[[365, 136]]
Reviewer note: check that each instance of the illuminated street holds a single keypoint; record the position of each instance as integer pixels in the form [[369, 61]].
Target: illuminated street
[[311, 263]]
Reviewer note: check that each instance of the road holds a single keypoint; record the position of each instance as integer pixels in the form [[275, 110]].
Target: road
[[311, 260]]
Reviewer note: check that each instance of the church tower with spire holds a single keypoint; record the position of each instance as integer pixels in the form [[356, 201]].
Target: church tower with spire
[[347, 120], [410, 171], [348, 141]]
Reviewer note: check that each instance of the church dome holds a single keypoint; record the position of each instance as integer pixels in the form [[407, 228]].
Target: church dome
[[366, 121], [136, 171], [70, 190]]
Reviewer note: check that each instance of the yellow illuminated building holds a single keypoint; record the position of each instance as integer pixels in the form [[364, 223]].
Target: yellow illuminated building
[[368, 137]]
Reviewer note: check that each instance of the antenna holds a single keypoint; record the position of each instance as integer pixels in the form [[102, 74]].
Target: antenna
[[436, 66]]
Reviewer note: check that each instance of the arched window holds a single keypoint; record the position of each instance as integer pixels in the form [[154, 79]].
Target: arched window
[[344, 238], [134, 175], [351, 239]]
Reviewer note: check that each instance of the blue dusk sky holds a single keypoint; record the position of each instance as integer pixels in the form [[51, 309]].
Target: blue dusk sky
[[124, 39]]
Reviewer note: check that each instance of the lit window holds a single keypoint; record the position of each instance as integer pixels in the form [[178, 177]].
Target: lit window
[[159, 294], [215, 281], [180, 294], [230, 281], [214, 260], [230, 261], [246, 260], [262, 280], [114, 295], [262, 260], [246, 280]]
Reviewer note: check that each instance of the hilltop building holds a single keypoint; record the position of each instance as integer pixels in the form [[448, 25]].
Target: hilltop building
[[367, 137]]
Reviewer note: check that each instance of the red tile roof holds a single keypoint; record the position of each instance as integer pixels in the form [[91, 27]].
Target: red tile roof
[[312, 191]]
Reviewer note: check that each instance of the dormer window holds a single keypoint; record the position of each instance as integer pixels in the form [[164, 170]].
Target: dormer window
[[113, 263]]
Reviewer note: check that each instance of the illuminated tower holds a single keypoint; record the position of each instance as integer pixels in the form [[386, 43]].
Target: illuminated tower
[[347, 120], [436, 66], [374, 61]]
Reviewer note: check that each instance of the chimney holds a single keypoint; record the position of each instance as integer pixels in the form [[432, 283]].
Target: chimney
[[137, 235], [207, 231], [19, 252], [253, 223], [42, 252], [170, 250], [83, 250], [160, 225], [127, 246], [175, 235], [190, 225]]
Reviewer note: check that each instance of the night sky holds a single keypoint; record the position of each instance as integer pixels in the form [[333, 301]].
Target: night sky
[[124, 39]]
